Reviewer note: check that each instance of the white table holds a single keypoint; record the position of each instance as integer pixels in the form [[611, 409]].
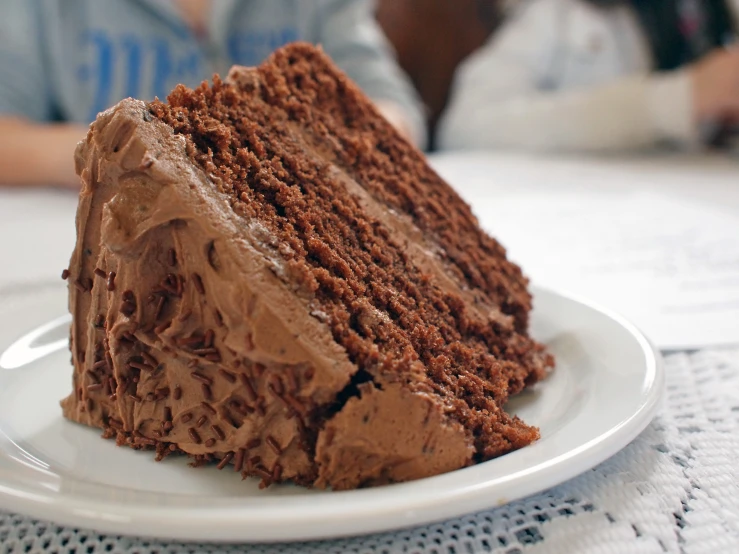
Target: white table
[[711, 179], [674, 489]]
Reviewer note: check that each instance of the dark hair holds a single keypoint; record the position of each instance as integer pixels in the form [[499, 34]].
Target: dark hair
[[661, 22]]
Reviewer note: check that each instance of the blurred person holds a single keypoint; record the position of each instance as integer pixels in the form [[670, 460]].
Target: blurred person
[[432, 37], [63, 61], [599, 76]]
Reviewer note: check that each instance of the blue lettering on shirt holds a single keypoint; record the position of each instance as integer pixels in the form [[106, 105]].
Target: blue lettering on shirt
[[121, 65]]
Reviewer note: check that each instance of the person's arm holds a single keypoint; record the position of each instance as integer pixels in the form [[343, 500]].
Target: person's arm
[[38, 154], [498, 101], [627, 114], [32, 151], [348, 32]]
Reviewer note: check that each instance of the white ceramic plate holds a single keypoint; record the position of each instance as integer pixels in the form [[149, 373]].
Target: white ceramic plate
[[604, 391]]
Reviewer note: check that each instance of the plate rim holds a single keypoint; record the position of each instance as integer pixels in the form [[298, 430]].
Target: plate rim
[[224, 524]]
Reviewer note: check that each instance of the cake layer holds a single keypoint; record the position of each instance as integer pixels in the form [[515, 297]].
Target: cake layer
[[268, 276]]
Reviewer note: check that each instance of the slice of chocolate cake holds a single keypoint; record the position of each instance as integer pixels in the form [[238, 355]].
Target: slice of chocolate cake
[[268, 277]]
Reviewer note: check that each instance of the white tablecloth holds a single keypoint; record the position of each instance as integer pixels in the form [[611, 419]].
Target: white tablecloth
[[675, 489]]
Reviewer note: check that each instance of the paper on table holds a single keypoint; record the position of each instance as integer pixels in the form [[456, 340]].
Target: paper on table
[[669, 265]]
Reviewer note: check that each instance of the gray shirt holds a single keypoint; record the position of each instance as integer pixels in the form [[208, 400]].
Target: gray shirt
[[70, 59]]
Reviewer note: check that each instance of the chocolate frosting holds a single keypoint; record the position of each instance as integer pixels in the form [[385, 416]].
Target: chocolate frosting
[[231, 363]]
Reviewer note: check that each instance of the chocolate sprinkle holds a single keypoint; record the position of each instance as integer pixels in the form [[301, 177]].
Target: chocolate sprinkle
[[208, 408], [218, 432], [292, 383], [135, 397], [163, 327], [253, 443], [206, 350], [198, 282], [264, 474], [167, 413], [219, 318], [254, 460], [227, 375], [259, 407], [278, 388], [186, 418], [251, 394], [185, 315], [207, 393], [210, 442], [202, 378], [202, 421], [160, 307], [239, 460], [273, 444], [240, 408], [225, 460], [172, 257], [194, 435], [275, 389], [189, 341], [294, 403], [110, 282], [65, 274], [177, 394], [99, 272], [127, 308], [276, 472], [140, 366], [208, 339], [150, 360], [94, 387]]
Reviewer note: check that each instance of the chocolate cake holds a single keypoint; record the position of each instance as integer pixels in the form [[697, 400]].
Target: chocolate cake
[[269, 278]]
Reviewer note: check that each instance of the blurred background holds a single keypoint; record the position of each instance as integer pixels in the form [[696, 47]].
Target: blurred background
[[553, 76]]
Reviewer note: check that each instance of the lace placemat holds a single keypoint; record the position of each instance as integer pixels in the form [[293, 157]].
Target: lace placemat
[[674, 489]]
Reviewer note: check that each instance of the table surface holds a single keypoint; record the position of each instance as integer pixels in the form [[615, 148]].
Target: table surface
[[674, 489]]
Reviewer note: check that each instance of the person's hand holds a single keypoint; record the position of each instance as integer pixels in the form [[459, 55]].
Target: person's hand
[[715, 80]]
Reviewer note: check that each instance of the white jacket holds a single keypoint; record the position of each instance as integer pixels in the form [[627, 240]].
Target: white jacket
[[564, 75]]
